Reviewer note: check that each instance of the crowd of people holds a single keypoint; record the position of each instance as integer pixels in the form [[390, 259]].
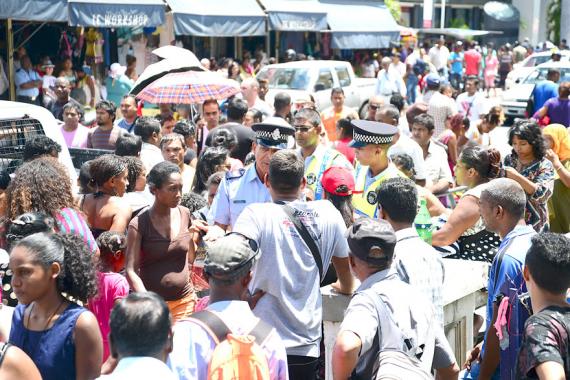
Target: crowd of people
[[196, 237]]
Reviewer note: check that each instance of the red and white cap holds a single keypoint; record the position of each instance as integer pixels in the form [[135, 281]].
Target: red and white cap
[[334, 177]]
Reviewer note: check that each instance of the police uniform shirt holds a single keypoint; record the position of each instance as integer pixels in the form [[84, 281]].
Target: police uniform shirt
[[364, 197], [237, 190], [22, 76], [411, 311], [315, 165]]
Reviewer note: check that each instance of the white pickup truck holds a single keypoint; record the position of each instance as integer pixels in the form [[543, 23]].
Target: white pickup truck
[[301, 78]]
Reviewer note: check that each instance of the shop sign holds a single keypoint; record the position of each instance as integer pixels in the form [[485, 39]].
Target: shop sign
[[120, 19], [306, 24]]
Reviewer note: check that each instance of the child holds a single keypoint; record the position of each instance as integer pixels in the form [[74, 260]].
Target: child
[[112, 285], [545, 351]]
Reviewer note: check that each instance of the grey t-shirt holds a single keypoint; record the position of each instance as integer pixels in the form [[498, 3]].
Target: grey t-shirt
[[286, 269]]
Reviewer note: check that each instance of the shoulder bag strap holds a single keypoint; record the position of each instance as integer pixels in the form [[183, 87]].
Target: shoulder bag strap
[[261, 331], [213, 324], [306, 236], [3, 350]]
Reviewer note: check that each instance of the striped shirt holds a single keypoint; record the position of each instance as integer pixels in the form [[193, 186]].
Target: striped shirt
[[100, 139], [69, 221]]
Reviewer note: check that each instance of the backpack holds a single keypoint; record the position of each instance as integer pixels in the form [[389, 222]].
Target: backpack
[[419, 68], [399, 357], [235, 356]]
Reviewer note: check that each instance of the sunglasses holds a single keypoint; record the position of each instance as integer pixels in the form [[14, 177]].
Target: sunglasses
[[303, 129], [373, 107]]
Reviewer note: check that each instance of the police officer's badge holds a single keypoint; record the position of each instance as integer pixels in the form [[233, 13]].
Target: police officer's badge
[[311, 178], [276, 134], [371, 197]]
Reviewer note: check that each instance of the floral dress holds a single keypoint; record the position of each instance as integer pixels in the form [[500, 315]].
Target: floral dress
[[540, 172]]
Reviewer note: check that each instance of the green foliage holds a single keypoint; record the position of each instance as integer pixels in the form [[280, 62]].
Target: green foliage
[[553, 17], [395, 10], [458, 23]]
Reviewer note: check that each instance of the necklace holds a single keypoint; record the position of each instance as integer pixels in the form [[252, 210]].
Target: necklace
[[25, 339], [48, 321]]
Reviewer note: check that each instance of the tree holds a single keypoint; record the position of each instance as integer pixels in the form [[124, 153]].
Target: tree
[[395, 10], [553, 17]]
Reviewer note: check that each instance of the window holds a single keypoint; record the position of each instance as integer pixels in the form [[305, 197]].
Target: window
[[13, 136], [343, 76], [286, 78], [325, 78]]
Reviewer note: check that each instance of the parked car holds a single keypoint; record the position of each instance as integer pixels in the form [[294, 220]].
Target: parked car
[[526, 66], [317, 78], [515, 100]]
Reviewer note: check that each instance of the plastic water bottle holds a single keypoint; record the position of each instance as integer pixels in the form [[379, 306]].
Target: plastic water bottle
[[422, 222]]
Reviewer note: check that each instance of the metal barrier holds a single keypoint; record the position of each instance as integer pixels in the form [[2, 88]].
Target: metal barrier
[[81, 155], [450, 195]]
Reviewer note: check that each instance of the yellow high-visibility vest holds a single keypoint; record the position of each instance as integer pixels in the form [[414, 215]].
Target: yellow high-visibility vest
[[364, 197]]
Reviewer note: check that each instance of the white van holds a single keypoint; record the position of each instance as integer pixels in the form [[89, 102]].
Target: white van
[[20, 121]]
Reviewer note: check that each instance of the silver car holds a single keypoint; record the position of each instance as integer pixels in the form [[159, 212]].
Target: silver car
[[515, 100]]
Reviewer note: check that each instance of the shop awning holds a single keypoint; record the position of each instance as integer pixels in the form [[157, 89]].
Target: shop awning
[[217, 18], [359, 24], [459, 33], [295, 15], [116, 13], [34, 10]]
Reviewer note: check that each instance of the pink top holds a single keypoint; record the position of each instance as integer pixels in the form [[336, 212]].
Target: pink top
[[491, 65], [112, 287], [472, 59], [76, 138], [343, 147]]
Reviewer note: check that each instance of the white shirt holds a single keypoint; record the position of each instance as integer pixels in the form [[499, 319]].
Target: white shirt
[[439, 56], [406, 145], [472, 107], [441, 107], [437, 167], [286, 269], [140, 367], [150, 156], [263, 107], [388, 83]]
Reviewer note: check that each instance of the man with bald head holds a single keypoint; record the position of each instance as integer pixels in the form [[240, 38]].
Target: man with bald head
[[250, 93], [389, 114], [374, 104], [62, 90]]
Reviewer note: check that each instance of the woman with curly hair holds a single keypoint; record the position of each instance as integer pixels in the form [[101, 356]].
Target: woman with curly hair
[[43, 185], [61, 337], [528, 166], [211, 160], [105, 209]]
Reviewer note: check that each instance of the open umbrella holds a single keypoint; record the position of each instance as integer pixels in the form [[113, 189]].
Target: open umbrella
[[189, 87], [177, 60]]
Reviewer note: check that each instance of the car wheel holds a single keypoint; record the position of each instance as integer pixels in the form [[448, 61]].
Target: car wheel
[[363, 111]]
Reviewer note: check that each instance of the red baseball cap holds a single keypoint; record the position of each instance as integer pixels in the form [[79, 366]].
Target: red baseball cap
[[336, 176]]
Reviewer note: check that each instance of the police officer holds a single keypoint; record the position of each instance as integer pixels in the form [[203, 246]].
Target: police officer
[[241, 188], [386, 317], [28, 82], [317, 157], [371, 140]]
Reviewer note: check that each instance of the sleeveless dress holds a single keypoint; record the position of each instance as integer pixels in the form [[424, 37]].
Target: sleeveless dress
[[52, 350]]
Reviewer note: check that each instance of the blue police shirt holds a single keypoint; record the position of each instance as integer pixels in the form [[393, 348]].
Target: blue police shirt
[[237, 190]]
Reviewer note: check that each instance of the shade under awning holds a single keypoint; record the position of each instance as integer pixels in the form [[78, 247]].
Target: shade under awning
[[116, 13], [34, 10], [295, 15], [358, 24], [217, 18]]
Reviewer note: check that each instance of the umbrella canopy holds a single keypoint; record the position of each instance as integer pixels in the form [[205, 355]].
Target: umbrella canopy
[[177, 60], [190, 87]]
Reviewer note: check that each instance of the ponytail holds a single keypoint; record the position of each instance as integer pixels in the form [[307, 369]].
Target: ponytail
[[485, 161], [78, 278]]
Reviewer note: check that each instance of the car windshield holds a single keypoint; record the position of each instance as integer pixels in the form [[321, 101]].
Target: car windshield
[[287, 78], [540, 74]]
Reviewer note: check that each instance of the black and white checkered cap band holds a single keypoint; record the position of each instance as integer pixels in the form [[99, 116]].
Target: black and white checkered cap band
[[274, 136], [372, 139]]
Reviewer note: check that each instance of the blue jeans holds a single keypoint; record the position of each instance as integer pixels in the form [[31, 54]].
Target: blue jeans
[[411, 87], [474, 373], [455, 80]]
